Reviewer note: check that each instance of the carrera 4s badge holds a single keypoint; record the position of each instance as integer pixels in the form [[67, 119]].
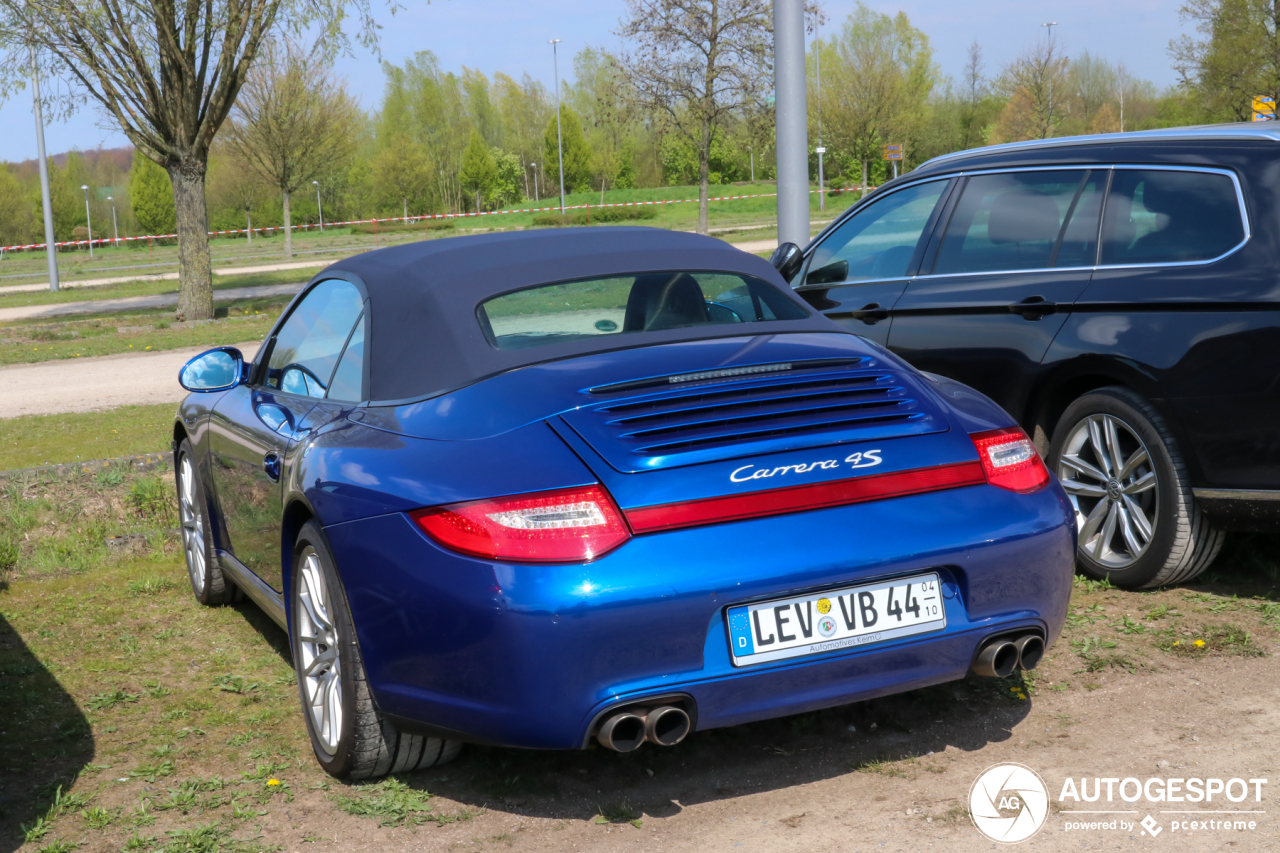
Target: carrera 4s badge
[[860, 459]]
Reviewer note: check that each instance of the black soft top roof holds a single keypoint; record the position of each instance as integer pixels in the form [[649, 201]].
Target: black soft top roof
[[424, 338]]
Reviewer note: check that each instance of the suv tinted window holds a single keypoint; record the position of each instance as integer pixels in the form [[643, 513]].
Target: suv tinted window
[[1163, 216], [309, 343], [878, 241], [1023, 220]]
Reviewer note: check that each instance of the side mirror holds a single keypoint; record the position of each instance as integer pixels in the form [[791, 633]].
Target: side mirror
[[787, 260], [832, 273], [215, 370]]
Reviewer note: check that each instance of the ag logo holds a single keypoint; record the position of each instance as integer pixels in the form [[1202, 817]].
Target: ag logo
[[1008, 802]]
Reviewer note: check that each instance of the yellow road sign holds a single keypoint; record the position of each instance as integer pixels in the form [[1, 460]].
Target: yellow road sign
[[893, 152], [1264, 108]]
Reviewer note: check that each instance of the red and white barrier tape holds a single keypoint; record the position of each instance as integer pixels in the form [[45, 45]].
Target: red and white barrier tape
[[99, 241]]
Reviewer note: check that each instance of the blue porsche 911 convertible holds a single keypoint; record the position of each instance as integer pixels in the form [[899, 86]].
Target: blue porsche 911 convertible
[[549, 488]]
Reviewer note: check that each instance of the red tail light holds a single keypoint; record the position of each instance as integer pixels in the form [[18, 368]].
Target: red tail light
[[563, 526], [876, 487], [1010, 460]]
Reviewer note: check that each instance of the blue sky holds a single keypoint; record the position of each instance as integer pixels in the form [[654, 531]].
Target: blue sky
[[511, 36]]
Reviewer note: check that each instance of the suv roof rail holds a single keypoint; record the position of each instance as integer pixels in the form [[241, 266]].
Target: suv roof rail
[[1238, 130]]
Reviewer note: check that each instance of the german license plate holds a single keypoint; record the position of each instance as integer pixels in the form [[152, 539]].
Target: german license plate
[[835, 619]]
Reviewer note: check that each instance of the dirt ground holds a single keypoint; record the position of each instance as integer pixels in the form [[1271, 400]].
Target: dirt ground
[[175, 728]]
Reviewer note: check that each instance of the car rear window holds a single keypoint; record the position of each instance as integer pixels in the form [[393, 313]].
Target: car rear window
[[1159, 216], [648, 302]]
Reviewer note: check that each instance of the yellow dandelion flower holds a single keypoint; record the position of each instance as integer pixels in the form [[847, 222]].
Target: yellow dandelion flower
[[148, 347], [1022, 696], [273, 783], [1177, 642], [1200, 643]]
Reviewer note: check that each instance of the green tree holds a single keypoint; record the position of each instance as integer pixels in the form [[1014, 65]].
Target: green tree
[[508, 184], [151, 197], [403, 175], [577, 155], [1235, 58], [479, 174], [15, 210]]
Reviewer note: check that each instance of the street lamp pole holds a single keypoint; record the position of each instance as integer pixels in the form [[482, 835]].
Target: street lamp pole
[[555, 62], [87, 221], [319, 207], [1049, 68], [791, 121], [817, 62], [51, 250], [115, 227]]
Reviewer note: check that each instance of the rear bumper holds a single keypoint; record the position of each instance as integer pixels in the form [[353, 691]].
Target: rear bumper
[[528, 655]]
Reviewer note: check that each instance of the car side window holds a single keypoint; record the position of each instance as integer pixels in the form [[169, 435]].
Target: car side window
[[348, 379], [878, 241], [1168, 216], [307, 346], [1023, 220]]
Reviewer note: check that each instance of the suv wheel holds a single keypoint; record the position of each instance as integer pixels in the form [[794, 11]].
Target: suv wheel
[[348, 735], [1138, 524]]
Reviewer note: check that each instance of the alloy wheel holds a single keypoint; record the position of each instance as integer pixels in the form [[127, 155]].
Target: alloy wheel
[[1107, 473], [193, 544], [321, 670]]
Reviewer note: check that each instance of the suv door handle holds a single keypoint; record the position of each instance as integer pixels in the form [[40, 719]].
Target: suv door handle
[[871, 313], [1033, 308], [271, 466]]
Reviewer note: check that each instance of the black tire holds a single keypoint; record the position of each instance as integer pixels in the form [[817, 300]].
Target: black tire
[[361, 745], [208, 583], [1177, 542]]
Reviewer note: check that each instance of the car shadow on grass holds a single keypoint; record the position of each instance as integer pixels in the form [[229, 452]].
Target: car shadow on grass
[[891, 737], [45, 740]]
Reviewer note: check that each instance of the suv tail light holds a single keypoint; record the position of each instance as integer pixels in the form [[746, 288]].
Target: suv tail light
[[562, 526], [1010, 460]]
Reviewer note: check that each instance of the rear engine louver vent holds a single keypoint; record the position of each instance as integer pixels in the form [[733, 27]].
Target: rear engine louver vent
[[699, 424]]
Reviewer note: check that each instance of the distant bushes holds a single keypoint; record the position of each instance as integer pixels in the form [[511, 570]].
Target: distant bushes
[[595, 215]]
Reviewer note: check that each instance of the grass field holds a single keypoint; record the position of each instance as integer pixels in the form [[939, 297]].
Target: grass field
[[110, 261], [33, 440]]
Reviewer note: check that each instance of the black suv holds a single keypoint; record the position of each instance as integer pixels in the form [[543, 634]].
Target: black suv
[[1119, 295]]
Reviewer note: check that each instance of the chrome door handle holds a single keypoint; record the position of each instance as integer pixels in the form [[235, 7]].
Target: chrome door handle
[[271, 466]]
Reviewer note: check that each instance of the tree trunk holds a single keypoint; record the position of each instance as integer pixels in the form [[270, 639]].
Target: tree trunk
[[248, 217], [863, 193], [195, 276], [288, 228], [704, 177], [405, 201]]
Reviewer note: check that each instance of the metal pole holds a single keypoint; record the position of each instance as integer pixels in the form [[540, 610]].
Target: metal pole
[[753, 165], [1050, 25], [791, 114], [822, 196], [555, 61], [817, 61], [88, 221], [537, 193], [51, 250], [319, 206], [115, 227]]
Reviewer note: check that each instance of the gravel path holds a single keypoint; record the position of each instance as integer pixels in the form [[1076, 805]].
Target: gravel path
[[167, 276], [88, 384]]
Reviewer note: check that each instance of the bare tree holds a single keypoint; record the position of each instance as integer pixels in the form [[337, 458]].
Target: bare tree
[[695, 62], [167, 75], [1030, 85], [293, 122], [976, 88]]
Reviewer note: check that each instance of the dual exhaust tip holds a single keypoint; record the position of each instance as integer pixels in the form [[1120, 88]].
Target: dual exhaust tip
[[999, 658], [628, 729]]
